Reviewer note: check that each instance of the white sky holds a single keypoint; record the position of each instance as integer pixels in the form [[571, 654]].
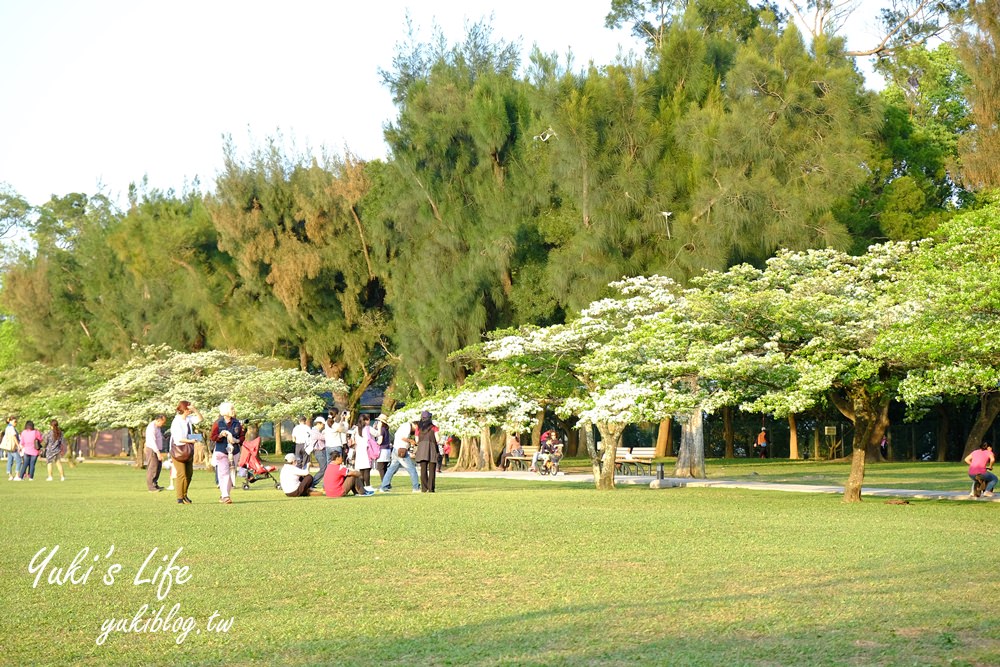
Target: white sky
[[98, 93]]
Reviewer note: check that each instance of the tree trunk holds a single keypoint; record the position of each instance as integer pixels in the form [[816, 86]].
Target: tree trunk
[[793, 438], [728, 436], [486, 459], [989, 408], [604, 468], [870, 414], [277, 439], [942, 433], [662, 436], [691, 456], [468, 455], [536, 430], [815, 454], [137, 453]]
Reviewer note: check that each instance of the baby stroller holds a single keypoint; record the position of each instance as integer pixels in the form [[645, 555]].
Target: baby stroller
[[256, 470]]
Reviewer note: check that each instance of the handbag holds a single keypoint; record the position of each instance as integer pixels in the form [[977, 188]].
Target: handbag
[[181, 451], [9, 442]]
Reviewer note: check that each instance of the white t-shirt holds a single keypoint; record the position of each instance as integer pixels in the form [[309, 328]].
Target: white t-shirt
[[402, 433], [290, 477], [300, 434], [181, 428]]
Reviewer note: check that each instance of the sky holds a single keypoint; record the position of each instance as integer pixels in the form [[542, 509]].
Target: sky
[[97, 94]]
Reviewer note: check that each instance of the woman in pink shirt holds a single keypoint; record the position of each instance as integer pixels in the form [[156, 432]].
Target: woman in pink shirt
[[980, 461], [30, 437]]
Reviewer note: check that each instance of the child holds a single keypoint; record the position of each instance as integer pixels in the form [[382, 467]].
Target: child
[[339, 481]]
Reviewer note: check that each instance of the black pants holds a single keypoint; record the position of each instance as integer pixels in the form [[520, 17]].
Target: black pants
[[382, 467], [428, 473], [304, 487]]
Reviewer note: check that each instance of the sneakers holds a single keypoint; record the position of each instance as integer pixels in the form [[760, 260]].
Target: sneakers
[[62, 479], [180, 501], [49, 479], [170, 488], [226, 501], [16, 479], [416, 490], [987, 494], [381, 490], [368, 488], [367, 493], [186, 500]]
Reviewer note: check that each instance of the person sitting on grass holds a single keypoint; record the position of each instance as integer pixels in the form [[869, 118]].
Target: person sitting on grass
[[980, 463], [294, 481], [340, 481]]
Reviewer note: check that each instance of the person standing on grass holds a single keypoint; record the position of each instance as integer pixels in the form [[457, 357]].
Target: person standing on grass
[[30, 439], [362, 458], [317, 443], [762, 442], [152, 449], [380, 430], [227, 432], [12, 445], [55, 447], [427, 452], [300, 434], [294, 481], [980, 463], [182, 430]]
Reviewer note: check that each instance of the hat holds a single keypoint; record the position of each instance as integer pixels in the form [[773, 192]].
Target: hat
[[382, 418], [227, 409], [289, 458], [425, 416], [319, 420]]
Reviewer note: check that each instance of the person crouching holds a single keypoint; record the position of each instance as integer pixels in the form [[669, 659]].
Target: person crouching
[[339, 481], [295, 481]]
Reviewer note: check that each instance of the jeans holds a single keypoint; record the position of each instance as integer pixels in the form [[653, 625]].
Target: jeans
[[28, 465], [991, 480], [323, 458], [397, 463], [14, 461]]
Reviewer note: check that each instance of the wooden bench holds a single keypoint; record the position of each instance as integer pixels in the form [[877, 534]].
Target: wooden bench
[[522, 462], [634, 460]]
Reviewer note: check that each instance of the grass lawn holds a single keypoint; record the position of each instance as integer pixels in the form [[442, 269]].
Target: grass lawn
[[503, 572]]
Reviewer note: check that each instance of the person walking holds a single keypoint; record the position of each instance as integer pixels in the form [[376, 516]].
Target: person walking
[[762, 442], [152, 450], [226, 434], [182, 431], [980, 464], [30, 439], [12, 445], [55, 447], [427, 452], [401, 458]]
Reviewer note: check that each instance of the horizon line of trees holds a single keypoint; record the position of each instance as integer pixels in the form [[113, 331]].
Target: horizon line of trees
[[515, 193]]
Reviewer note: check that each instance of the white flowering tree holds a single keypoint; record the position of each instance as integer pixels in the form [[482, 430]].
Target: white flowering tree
[[550, 364], [948, 331], [156, 378], [803, 330], [471, 414]]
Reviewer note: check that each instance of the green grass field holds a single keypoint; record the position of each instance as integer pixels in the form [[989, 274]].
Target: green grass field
[[501, 572]]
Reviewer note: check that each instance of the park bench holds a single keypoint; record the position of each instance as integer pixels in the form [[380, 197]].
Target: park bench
[[522, 462], [633, 460]]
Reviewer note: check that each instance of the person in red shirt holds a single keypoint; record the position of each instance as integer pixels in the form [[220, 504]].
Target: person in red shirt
[[338, 480]]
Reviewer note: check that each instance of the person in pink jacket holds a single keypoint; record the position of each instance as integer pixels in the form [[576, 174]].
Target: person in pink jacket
[[30, 437]]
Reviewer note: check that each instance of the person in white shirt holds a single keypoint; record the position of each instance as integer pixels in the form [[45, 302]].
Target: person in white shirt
[[401, 459], [154, 445], [182, 430], [300, 434], [294, 481]]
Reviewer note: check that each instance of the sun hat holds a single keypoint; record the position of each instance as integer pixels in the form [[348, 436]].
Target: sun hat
[[289, 458], [382, 418], [319, 420]]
